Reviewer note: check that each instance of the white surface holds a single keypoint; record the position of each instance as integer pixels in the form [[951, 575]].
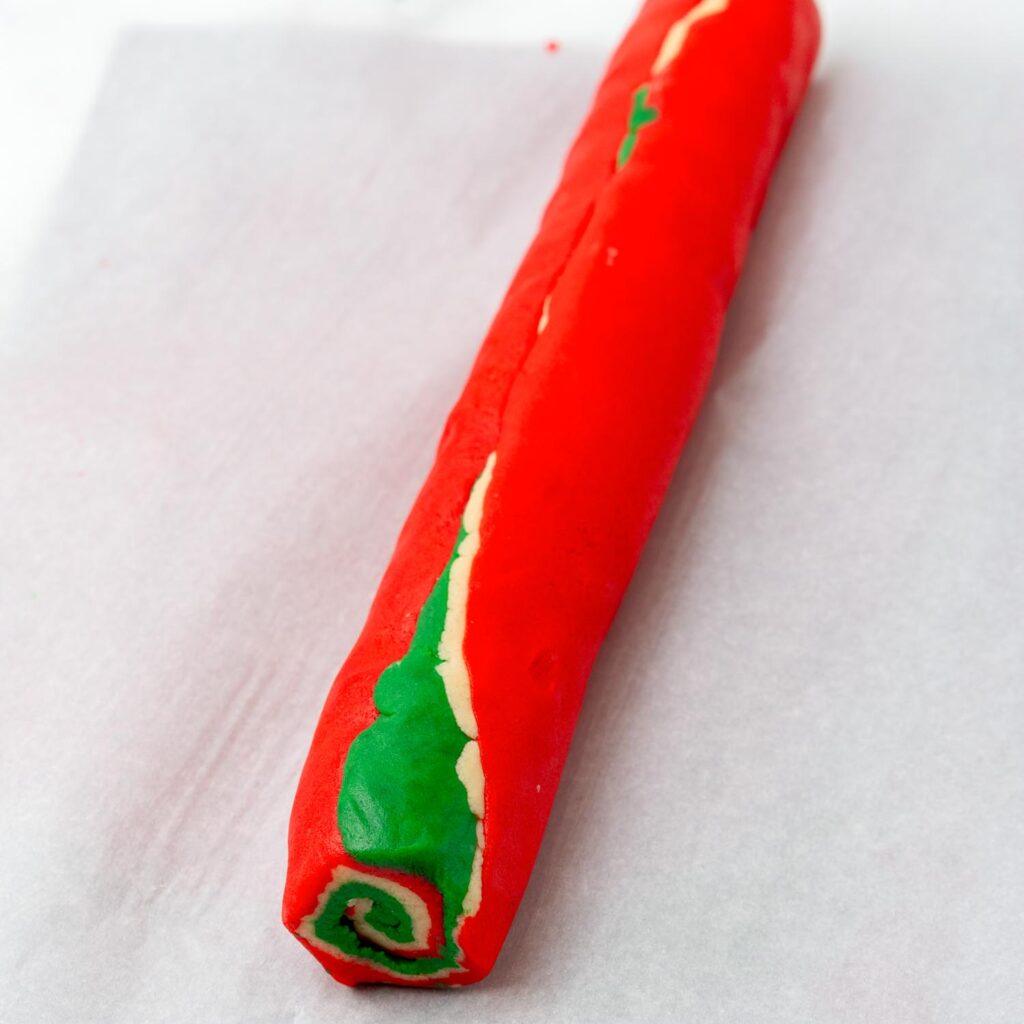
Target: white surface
[[797, 787]]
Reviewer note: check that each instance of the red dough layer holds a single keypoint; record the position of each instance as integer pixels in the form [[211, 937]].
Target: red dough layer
[[588, 420]]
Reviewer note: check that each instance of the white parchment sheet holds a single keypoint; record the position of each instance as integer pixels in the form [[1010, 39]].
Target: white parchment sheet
[[796, 793]]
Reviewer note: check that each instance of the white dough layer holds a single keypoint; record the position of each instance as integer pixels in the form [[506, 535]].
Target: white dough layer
[[455, 673], [471, 901], [452, 668], [676, 36], [471, 775], [545, 315]]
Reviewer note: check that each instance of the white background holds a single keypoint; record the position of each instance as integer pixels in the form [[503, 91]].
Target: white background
[[248, 251]]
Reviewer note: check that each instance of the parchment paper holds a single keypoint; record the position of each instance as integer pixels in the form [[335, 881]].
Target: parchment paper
[[797, 788]]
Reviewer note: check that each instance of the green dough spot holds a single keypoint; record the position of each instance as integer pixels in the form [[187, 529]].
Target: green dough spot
[[640, 115]]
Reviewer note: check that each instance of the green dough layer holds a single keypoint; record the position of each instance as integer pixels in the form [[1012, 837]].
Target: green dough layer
[[402, 805]]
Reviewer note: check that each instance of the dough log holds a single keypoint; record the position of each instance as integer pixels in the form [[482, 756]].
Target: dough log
[[432, 771]]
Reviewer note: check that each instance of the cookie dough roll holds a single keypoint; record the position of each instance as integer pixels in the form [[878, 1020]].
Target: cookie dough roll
[[435, 762]]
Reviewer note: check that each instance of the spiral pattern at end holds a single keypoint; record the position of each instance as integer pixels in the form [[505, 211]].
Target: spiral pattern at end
[[379, 921]]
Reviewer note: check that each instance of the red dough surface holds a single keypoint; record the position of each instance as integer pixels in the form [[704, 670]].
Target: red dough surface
[[588, 420]]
